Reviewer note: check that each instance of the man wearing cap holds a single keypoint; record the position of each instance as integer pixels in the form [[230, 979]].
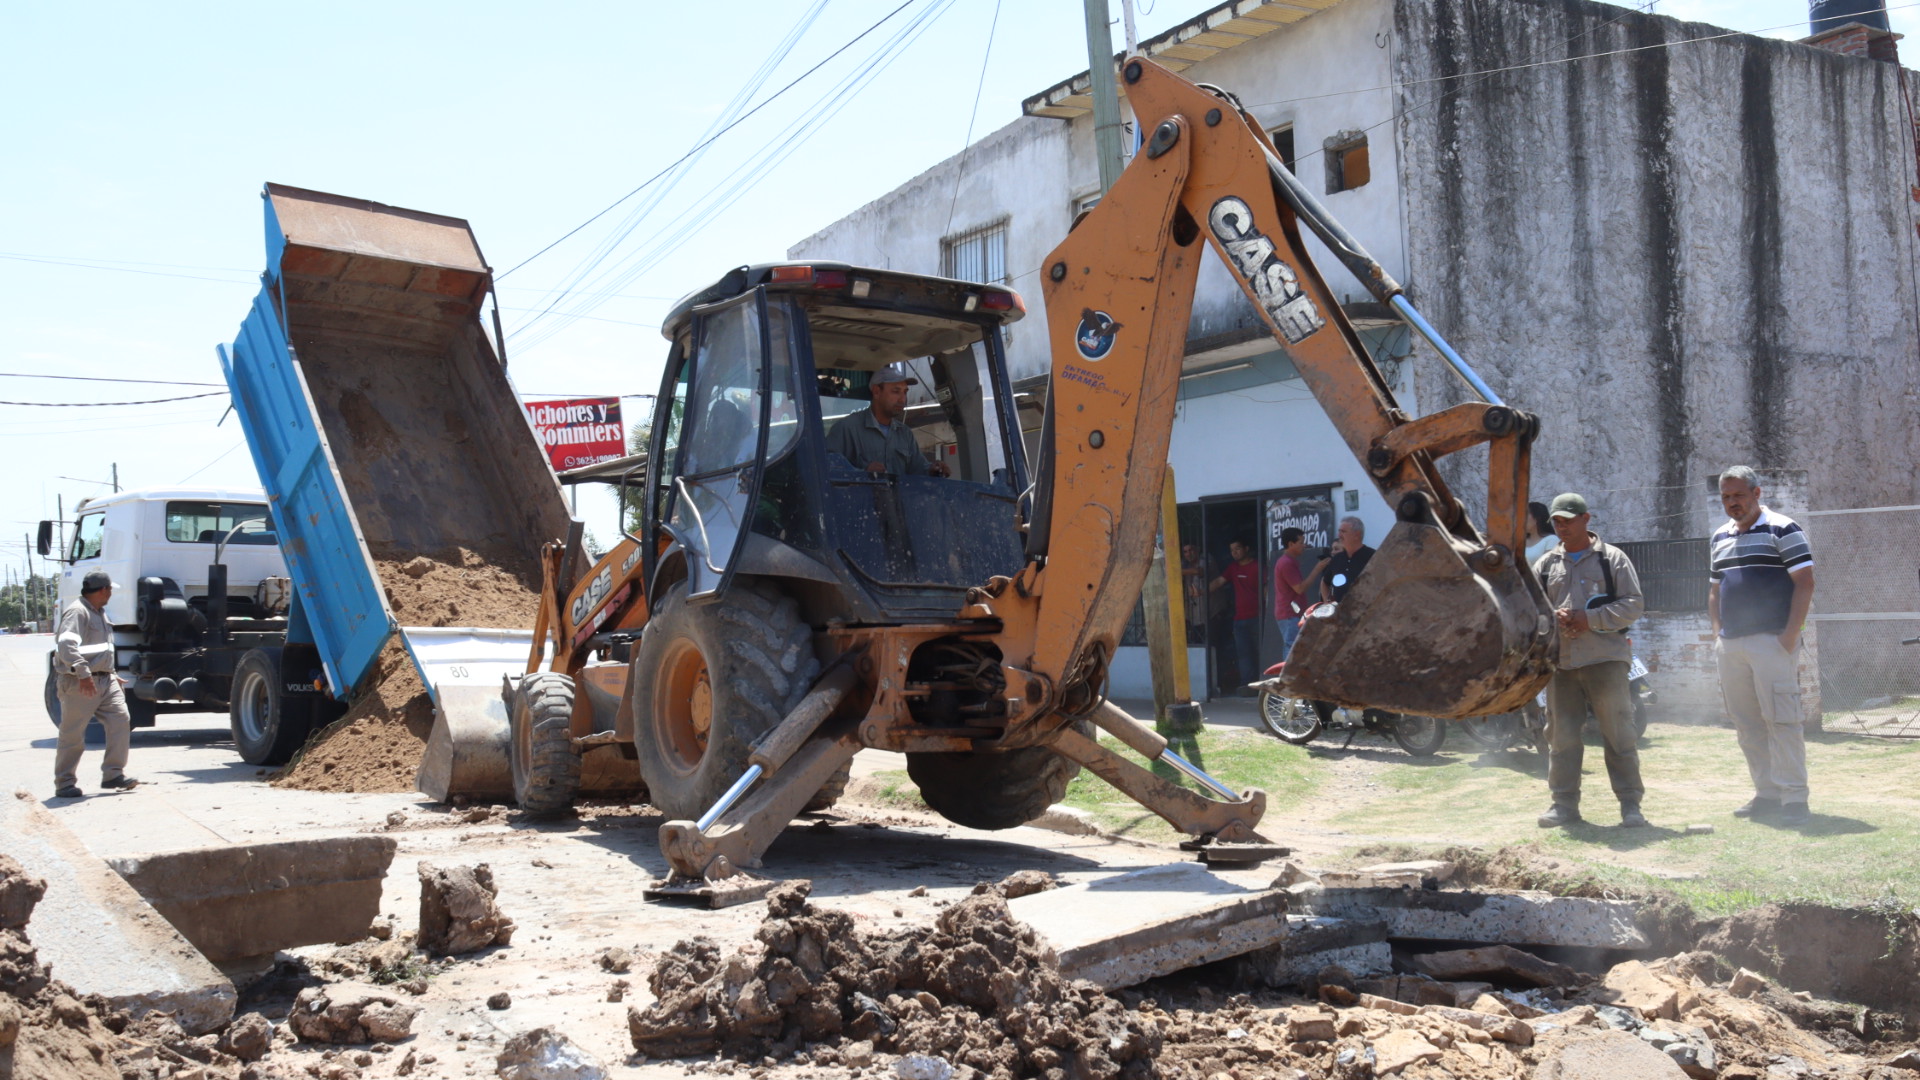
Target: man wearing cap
[[876, 438], [88, 689], [1595, 593]]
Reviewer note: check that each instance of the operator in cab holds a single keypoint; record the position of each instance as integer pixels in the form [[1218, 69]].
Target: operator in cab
[[877, 438]]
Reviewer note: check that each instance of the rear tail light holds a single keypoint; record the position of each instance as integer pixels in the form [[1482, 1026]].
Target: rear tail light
[[996, 300], [829, 279], [791, 275]]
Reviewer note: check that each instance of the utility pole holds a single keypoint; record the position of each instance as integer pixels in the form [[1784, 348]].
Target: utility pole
[[1133, 32], [116, 478], [1106, 96]]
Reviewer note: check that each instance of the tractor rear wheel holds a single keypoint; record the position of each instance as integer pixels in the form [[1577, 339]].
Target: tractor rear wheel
[[546, 770], [710, 680], [993, 790]]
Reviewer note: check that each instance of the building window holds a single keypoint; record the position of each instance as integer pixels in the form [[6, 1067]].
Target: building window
[[1347, 163], [1283, 141], [1673, 573], [1085, 203], [977, 255]]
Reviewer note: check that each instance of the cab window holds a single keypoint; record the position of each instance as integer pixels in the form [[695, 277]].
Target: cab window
[[87, 536], [209, 522]]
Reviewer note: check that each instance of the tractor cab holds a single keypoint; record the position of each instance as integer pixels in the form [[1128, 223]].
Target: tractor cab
[[744, 475]]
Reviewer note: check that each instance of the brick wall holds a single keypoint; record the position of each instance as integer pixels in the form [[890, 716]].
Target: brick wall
[[1677, 648]]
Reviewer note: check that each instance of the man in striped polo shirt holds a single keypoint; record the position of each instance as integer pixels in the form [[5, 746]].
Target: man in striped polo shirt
[[1762, 588]]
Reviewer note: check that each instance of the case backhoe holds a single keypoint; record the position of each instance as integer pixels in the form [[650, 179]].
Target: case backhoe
[[779, 608]]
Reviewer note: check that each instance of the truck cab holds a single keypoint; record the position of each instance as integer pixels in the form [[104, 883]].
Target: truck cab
[[161, 547]]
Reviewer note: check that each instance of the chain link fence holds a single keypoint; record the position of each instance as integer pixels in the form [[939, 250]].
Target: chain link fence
[[1866, 602]]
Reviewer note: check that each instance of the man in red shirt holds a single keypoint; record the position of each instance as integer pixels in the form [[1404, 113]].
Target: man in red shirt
[[1243, 573], [1290, 587]]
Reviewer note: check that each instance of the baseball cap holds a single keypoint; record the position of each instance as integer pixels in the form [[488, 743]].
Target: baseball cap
[[892, 373], [1567, 505]]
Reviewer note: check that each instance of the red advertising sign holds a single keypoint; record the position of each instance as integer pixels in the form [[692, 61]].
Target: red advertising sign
[[579, 431]]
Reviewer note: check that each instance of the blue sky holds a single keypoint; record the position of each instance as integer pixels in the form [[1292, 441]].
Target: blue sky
[[137, 137]]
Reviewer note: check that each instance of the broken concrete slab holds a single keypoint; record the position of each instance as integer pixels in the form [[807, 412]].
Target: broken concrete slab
[[255, 899], [100, 937], [1437, 869], [1131, 927], [1607, 1055], [1311, 945], [1498, 963], [1522, 918]]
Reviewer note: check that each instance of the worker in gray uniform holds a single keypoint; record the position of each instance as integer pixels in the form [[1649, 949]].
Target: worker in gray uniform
[[89, 689]]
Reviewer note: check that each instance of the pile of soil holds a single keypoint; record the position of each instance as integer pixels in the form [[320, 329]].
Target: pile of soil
[[47, 1031], [377, 745], [978, 989]]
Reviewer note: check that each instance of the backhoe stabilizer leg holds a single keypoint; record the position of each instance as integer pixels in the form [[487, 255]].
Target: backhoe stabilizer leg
[[745, 830], [1185, 810]]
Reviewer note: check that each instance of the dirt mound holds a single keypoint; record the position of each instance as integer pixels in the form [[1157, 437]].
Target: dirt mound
[[979, 990], [1866, 955], [47, 1031], [377, 745]]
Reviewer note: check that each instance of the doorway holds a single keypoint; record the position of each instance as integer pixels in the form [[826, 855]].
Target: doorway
[[1256, 518]]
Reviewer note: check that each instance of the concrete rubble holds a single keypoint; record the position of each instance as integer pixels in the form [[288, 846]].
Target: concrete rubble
[[457, 910], [1519, 918], [100, 937], [252, 900]]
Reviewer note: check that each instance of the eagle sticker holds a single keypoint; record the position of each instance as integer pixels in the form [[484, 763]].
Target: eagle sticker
[[1094, 337], [1275, 286]]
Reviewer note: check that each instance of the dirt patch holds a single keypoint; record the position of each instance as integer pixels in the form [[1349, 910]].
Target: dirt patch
[[978, 989], [377, 745], [1866, 955]]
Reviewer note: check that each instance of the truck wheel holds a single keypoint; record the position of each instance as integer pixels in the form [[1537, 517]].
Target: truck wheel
[[546, 770], [96, 732], [993, 790], [710, 679], [268, 726]]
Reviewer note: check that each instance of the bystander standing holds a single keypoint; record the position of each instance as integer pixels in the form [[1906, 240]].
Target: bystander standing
[[1243, 576], [88, 690], [1350, 555], [1290, 586]]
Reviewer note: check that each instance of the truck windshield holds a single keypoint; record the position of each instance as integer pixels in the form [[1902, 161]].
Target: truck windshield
[[208, 522]]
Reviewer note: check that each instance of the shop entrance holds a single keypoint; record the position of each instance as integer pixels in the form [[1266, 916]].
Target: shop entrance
[[1256, 519]]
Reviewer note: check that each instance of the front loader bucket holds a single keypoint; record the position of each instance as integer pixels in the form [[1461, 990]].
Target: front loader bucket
[[1424, 632]]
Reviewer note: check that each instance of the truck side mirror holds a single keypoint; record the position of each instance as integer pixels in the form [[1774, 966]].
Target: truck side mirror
[[46, 540]]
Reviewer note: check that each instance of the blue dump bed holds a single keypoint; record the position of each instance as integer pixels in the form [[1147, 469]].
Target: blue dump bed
[[381, 420]]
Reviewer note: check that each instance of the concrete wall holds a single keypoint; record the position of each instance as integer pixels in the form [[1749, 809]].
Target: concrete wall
[[1681, 258]]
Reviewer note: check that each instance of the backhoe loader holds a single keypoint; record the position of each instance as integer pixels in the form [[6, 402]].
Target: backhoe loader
[[780, 607]]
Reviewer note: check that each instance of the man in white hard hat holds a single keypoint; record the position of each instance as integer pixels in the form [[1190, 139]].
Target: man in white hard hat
[[88, 689]]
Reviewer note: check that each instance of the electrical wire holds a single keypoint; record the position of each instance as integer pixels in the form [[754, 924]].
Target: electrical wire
[[751, 172], [120, 269], [103, 404], [102, 378], [960, 171], [223, 456], [737, 122]]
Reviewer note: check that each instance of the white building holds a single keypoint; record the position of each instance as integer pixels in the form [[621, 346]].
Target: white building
[[1682, 254]]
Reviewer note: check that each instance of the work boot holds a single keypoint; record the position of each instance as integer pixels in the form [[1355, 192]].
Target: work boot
[[1758, 808], [1558, 815], [70, 791], [120, 783], [1631, 817], [1794, 813]]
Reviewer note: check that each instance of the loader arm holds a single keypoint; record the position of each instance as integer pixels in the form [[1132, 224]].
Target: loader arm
[[1447, 621]]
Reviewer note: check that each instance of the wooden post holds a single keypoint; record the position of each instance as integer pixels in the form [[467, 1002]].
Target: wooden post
[[1164, 599]]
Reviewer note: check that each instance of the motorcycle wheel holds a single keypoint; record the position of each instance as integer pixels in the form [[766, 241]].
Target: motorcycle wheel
[[1639, 718], [1493, 733], [1289, 719], [1420, 736]]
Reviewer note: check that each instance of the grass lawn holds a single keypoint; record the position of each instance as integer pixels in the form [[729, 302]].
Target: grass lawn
[[1858, 849]]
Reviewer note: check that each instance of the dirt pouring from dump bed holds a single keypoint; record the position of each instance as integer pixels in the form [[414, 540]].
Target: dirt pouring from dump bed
[[978, 989], [377, 745]]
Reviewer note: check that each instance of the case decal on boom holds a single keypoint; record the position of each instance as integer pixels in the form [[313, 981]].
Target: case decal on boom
[[1274, 282]]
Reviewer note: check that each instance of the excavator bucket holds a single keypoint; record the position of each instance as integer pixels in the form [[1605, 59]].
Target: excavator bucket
[[1432, 628]]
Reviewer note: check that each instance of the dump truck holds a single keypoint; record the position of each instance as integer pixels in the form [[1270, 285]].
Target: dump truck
[[383, 428], [781, 606], [200, 597]]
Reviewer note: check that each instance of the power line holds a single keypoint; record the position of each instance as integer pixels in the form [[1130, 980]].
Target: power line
[[102, 404], [701, 145], [102, 378], [960, 171], [119, 269]]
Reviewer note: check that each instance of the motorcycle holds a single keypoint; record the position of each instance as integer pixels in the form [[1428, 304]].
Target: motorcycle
[[1300, 721], [1497, 733]]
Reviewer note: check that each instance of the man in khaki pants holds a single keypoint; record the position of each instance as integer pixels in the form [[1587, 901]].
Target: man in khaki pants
[[89, 689], [1762, 588]]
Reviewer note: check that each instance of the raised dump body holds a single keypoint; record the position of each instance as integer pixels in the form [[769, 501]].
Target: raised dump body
[[385, 430]]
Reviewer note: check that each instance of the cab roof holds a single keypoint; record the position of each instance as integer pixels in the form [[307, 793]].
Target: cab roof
[[846, 285]]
